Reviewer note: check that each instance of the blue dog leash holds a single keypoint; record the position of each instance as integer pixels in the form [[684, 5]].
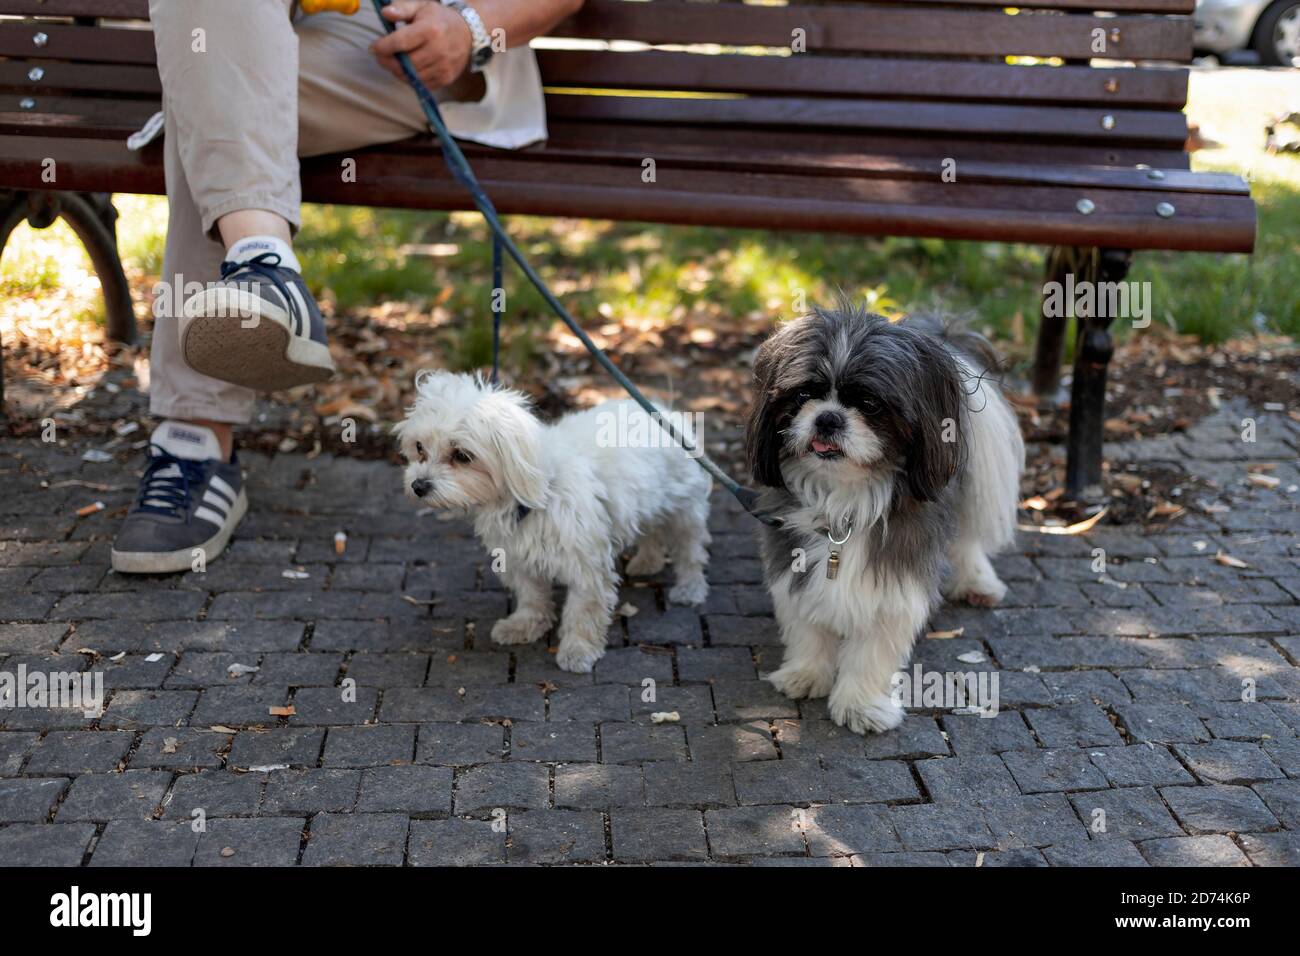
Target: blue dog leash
[[460, 169]]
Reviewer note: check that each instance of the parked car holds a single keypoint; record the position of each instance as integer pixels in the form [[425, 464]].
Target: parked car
[[1269, 27]]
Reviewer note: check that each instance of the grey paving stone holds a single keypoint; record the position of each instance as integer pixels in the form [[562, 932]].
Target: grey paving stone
[[915, 738], [301, 670], [356, 839], [657, 834], [79, 752], [1073, 725], [310, 791], [180, 748], [134, 709], [751, 700], [1272, 849], [632, 665], [971, 735], [1162, 723], [45, 844], [130, 795], [676, 625], [601, 786], [1218, 809], [216, 793], [553, 742], [1139, 765], [964, 778], [455, 842], [337, 706], [29, 800], [857, 779], [410, 790], [1193, 851], [946, 826], [509, 785], [711, 664], [145, 843], [837, 830], [1037, 820], [671, 784], [369, 746], [267, 841], [1136, 813], [276, 747], [1045, 771], [555, 836], [388, 670], [636, 743], [1227, 761], [14, 748], [780, 781], [731, 743], [454, 745], [453, 704], [693, 703], [754, 831], [1283, 798], [901, 859], [1241, 721], [1096, 853], [239, 706], [591, 705]]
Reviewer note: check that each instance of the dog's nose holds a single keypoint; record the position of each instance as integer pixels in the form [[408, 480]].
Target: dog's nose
[[829, 422], [421, 487]]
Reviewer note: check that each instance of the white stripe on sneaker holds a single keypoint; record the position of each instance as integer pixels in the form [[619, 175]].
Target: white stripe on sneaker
[[218, 500], [212, 517], [221, 486]]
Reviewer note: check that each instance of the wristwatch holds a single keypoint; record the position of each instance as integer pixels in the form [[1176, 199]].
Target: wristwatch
[[482, 50]]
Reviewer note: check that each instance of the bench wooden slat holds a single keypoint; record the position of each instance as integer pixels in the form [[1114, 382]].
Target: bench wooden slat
[[58, 76], [881, 29], [1034, 121], [862, 76], [139, 9], [88, 44], [815, 142], [522, 183], [857, 29]]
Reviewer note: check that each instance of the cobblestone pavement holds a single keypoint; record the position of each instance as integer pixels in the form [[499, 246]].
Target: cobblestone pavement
[[1123, 737]]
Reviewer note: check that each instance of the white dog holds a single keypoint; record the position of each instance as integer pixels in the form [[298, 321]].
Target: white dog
[[893, 461], [561, 502]]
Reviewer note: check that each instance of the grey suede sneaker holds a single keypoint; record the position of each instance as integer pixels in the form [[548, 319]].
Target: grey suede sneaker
[[258, 327], [189, 504]]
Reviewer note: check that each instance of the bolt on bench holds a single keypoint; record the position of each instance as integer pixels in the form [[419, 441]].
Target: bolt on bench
[[860, 133]]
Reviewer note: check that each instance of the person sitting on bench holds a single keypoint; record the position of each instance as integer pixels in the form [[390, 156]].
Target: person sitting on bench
[[248, 88]]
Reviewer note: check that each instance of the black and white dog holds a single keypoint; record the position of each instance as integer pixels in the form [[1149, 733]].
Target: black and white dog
[[894, 461]]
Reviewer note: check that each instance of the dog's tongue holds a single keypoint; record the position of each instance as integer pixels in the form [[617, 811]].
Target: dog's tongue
[[822, 447]]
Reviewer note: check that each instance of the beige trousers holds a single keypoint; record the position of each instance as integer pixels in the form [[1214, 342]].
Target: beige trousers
[[246, 91]]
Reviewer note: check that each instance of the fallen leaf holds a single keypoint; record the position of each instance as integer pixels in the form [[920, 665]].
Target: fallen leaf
[[946, 635], [286, 711], [1228, 561], [1077, 528]]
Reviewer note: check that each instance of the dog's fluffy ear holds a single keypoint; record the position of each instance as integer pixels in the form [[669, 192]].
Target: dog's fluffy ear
[[763, 442], [935, 418], [514, 436]]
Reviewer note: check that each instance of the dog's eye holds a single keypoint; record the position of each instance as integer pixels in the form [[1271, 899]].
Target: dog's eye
[[420, 452], [461, 457]]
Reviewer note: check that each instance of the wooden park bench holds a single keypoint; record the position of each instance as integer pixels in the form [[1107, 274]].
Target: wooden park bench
[[1049, 123]]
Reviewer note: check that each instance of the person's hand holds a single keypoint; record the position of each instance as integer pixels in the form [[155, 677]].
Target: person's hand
[[435, 37]]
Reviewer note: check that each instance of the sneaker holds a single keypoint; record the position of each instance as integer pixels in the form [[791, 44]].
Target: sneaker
[[189, 503], [258, 327]]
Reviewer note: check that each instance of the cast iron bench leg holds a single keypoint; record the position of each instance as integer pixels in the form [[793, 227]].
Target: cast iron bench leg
[[1093, 350], [92, 217]]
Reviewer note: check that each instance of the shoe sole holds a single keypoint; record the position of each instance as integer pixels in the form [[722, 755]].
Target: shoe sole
[[164, 562], [238, 337]]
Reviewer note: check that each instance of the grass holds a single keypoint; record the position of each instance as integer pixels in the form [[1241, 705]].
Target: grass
[[358, 258]]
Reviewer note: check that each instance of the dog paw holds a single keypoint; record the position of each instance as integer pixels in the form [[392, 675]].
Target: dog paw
[[975, 599], [520, 628], [980, 590], [691, 592], [646, 562], [797, 683], [872, 715], [577, 657]]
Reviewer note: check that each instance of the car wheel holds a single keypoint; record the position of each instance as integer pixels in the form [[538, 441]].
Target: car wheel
[[1277, 35]]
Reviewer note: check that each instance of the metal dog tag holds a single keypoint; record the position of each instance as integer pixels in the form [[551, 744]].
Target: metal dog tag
[[833, 557], [833, 564]]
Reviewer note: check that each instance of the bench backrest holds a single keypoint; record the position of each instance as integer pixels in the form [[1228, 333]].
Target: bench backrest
[[969, 79]]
